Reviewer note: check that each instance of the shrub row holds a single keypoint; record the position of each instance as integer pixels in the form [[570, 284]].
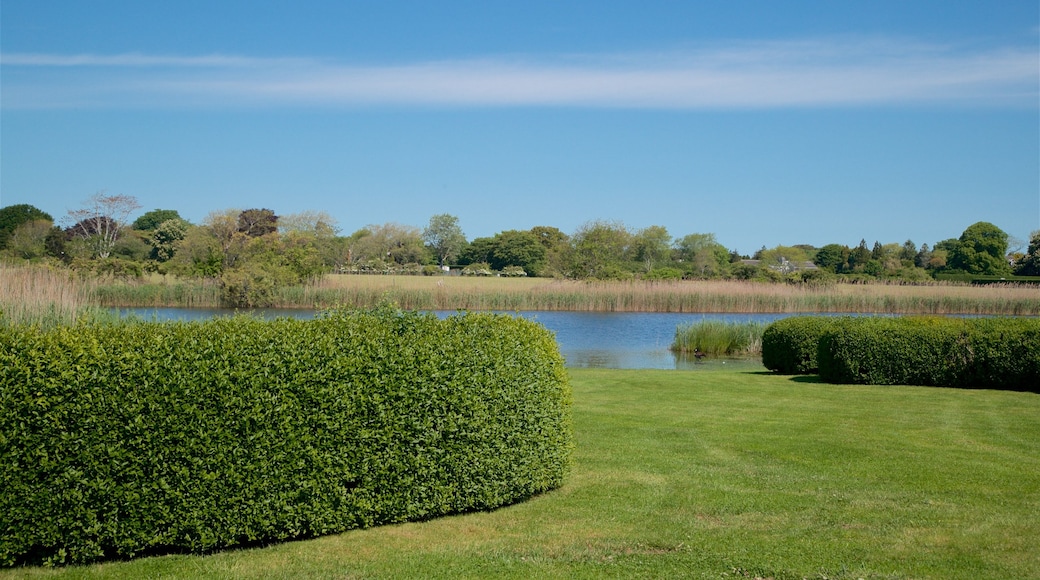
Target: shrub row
[[996, 353], [790, 345], [993, 353], [127, 439]]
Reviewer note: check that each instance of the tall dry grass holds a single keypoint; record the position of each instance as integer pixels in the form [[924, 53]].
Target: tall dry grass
[[157, 291], [510, 294], [43, 296], [450, 293]]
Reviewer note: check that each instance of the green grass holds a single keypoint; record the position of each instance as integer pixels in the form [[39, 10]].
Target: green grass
[[709, 474], [719, 338]]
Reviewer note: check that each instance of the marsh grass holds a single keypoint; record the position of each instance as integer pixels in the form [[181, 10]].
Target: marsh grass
[[511, 294], [719, 338], [450, 293], [159, 291], [717, 474], [43, 296]]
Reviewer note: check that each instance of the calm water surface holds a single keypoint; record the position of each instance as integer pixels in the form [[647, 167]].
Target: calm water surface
[[614, 340]]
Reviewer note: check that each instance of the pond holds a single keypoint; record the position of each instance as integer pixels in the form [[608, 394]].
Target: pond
[[614, 340]]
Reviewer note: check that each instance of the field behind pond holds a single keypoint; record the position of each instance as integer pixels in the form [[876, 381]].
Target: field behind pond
[[454, 292], [721, 475]]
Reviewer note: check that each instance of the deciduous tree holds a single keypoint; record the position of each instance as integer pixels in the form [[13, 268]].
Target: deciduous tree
[[317, 223], [150, 220], [832, 257], [165, 237], [257, 222], [982, 250], [1029, 265], [517, 248], [651, 245], [557, 250], [599, 249], [13, 216], [29, 239], [100, 220], [390, 242], [703, 256], [444, 237], [223, 226]]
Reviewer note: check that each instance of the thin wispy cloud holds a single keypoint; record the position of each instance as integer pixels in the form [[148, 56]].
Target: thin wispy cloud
[[132, 60], [808, 73]]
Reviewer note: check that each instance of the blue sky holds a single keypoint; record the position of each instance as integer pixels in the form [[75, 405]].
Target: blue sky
[[762, 122]]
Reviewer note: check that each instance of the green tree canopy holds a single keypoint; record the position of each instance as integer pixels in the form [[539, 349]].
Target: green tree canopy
[[859, 256], [444, 237], [558, 249], [550, 237], [165, 236], [151, 220], [28, 240], [257, 222], [13, 216], [832, 257], [702, 254], [651, 245], [982, 251], [316, 223], [1029, 265], [518, 248], [390, 242], [477, 251], [908, 250], [599, 249]]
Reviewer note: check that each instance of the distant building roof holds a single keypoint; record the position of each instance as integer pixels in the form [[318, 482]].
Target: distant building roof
[[785, 265]]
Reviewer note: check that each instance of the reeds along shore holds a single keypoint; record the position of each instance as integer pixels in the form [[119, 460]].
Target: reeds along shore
[[36, 289], [43, 296], [445, 293], [719, 338]]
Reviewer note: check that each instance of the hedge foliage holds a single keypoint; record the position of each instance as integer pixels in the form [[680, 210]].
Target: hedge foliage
[[127, 439], [995, 353], [790, 345]]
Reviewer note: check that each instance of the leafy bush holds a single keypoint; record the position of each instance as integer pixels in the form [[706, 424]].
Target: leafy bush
[[790, 345], [127, 439], [251, 286], [996, 353], [477, 269], [814, 278], [664, 274], [114, 267]]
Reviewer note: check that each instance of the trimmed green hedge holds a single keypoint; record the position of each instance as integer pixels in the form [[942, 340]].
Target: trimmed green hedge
[[790, 345], [995, 353], [129, 439]]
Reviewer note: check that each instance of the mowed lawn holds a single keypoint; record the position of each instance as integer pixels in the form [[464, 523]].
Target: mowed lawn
[[706, 474]]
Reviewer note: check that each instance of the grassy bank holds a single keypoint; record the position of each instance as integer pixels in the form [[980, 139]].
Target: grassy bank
[[721, 475], [453, 293]]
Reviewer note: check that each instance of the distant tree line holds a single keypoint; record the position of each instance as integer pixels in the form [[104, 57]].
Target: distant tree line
[[253, 250]]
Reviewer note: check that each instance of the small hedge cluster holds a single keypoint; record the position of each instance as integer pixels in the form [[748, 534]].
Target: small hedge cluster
[[128, 439], [790, 345], [992, 353], [995, 353]]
